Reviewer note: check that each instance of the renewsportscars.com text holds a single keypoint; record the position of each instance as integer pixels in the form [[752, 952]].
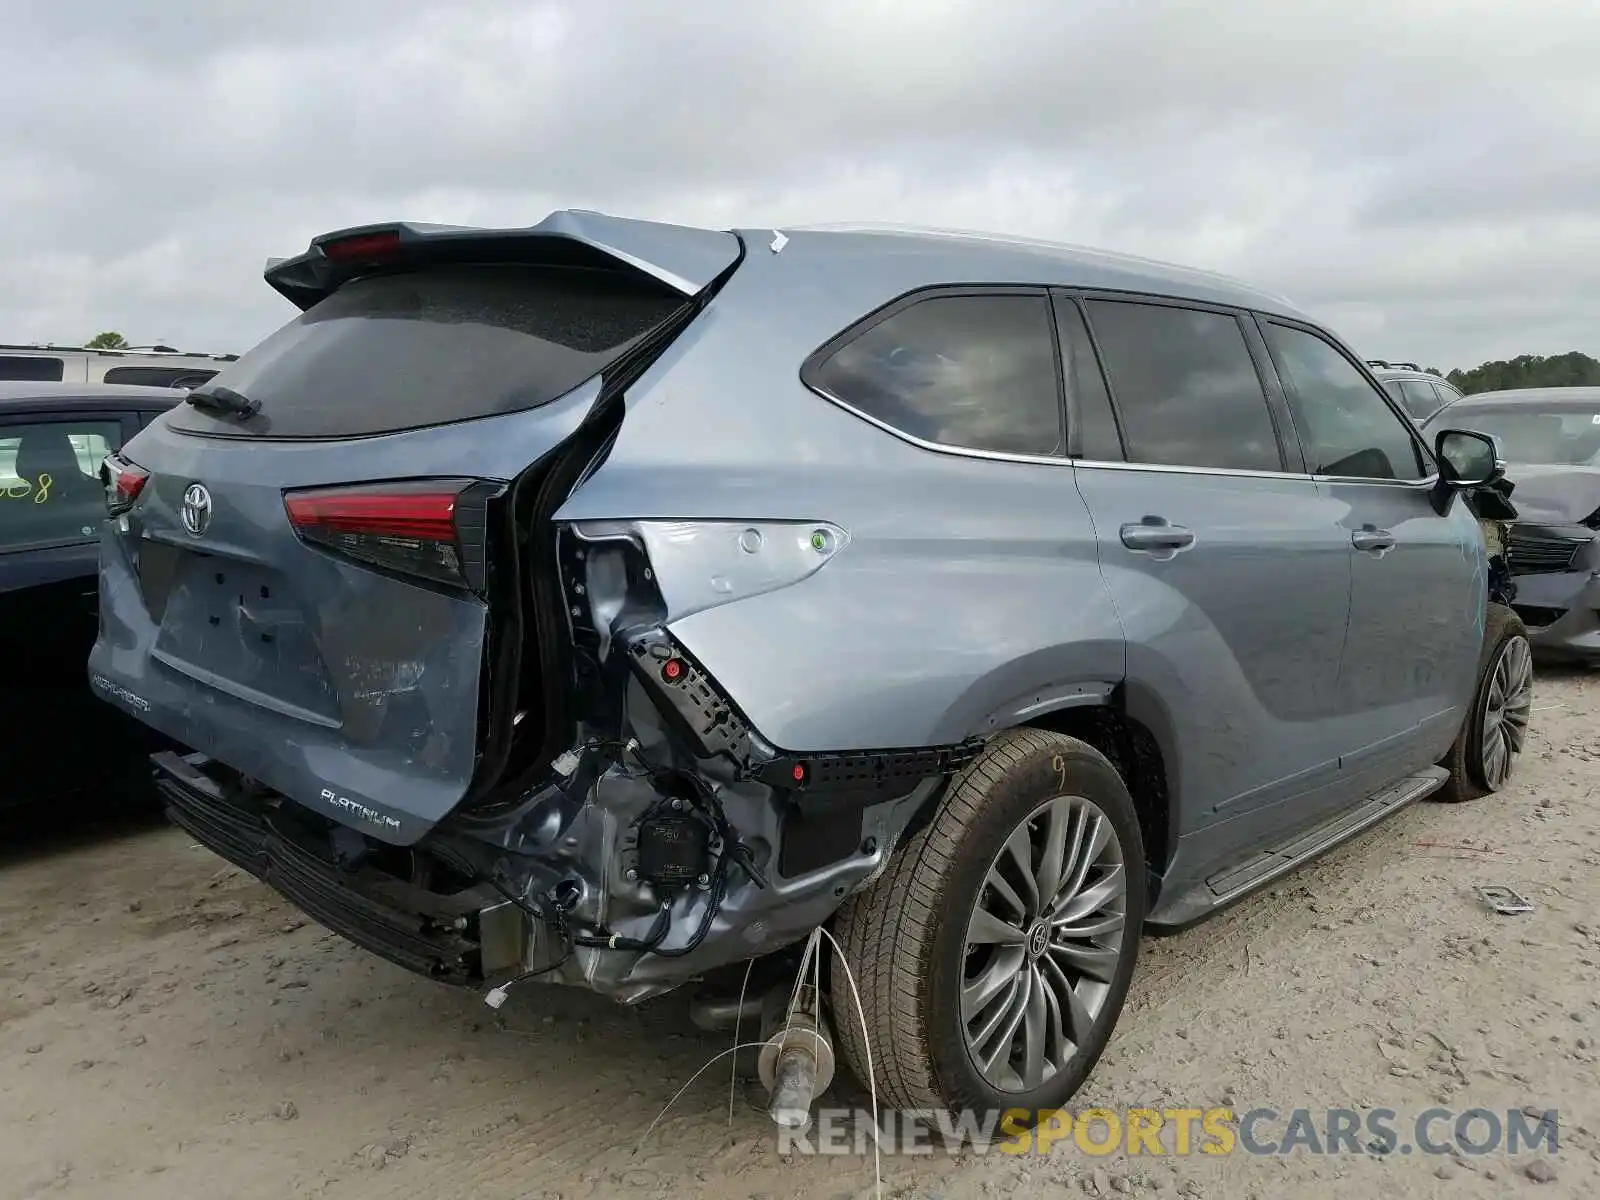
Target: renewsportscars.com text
[[1182, 1131]]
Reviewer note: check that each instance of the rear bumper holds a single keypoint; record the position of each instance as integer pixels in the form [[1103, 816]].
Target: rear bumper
[[290, 849], [623, 881]]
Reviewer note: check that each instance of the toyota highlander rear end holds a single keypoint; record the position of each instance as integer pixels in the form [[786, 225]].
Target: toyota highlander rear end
[[443, 717]]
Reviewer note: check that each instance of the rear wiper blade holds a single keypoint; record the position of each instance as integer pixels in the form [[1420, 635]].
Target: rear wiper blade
[[224, 400]]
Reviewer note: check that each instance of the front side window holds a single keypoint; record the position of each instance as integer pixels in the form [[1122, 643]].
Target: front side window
[[1345, 425], [1185, 387], [50, 492], [973, 371]]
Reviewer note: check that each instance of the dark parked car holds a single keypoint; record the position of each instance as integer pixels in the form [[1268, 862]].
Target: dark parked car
[[1551, 440], [1420, 393], [53, 439], [615, 602]]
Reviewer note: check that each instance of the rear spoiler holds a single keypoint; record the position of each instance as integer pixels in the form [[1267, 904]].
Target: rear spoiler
[[681, 258]]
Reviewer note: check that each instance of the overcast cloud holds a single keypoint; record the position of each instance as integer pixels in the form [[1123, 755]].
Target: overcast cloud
[[1420, 173]]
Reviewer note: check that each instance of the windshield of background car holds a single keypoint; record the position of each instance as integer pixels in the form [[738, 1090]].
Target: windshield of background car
[[1566, 436]]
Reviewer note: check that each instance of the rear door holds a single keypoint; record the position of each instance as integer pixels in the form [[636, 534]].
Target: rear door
[[1227, 566], [1417, 578], [309, 591]]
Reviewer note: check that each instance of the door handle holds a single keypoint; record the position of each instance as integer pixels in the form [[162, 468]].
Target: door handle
[[1372, 539], [1154, 533]]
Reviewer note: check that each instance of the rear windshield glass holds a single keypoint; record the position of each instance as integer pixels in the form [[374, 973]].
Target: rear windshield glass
[[448, 344]]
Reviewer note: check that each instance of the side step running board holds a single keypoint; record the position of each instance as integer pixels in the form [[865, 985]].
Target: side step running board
[[1225, 887]]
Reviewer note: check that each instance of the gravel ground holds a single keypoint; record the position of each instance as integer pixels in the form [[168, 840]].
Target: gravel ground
[[168, 1028]]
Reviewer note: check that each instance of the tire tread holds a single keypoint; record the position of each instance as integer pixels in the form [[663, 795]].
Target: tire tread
[[887, 931]]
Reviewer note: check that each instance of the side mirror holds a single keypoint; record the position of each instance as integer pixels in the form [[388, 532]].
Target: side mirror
[[1468, 459]]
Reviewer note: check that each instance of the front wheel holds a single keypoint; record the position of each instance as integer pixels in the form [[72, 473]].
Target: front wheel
[[1488, 748], [994, 955]]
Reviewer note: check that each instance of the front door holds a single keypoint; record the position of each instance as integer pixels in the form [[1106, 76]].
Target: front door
[[1418, 579]]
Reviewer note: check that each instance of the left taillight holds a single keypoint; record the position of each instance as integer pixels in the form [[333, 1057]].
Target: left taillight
[[124, 481], [430, 529]]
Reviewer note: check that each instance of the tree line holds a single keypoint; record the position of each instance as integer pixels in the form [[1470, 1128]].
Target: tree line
[[1572, 369]]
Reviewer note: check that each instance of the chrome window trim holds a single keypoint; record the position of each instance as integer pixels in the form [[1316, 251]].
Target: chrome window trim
[[1175, 469], [1062, 460], [1048, 460], [1416, 485]]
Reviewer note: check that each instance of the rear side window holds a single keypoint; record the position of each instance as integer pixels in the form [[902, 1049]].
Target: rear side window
[[1185, 387], [173, 377], [50, 491], [975, 372], [1345, 425], [404, 351], [31, 368], [1447, 394]]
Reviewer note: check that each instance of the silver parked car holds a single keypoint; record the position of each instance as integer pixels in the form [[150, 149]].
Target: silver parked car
[[1419, 393], [616, 603], [1551, 438]]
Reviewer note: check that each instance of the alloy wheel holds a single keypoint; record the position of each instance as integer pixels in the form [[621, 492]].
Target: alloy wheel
[[1043, 942], [1506, 709]]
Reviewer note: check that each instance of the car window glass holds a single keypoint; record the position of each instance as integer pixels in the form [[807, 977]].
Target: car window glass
[[1418, 397], [50, 489], [1392, 386], [31, 368], [1185, 387], [977, 372], [1447, 394], [173, 377], [1567, 437], [1345, 425], [1098, 438], [433, 346]]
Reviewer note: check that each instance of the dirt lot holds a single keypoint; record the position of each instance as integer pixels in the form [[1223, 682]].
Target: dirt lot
[[167, 1028]]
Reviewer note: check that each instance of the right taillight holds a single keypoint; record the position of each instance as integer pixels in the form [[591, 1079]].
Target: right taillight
[[124, 481], [428, 529]]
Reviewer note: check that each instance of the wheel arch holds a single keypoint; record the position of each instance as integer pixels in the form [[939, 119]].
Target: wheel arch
[[1136, 751]]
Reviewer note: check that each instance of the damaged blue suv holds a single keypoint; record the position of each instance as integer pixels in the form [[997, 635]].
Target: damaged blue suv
[[614, 603]]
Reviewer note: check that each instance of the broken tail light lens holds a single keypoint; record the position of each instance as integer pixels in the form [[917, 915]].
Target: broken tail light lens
[[431, 529], [124, 481]]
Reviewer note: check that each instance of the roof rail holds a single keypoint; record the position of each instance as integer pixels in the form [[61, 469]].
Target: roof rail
[[1381, 365], [149, 351]]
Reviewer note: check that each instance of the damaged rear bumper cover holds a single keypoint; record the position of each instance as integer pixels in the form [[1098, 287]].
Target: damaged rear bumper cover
[[636, 868]]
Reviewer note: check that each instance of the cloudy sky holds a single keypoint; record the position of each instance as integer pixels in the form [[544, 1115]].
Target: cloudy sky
[[1422, 174]]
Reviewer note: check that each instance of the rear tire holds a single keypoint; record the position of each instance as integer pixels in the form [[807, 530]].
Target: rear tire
[[975, 993], [1484, 758]]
